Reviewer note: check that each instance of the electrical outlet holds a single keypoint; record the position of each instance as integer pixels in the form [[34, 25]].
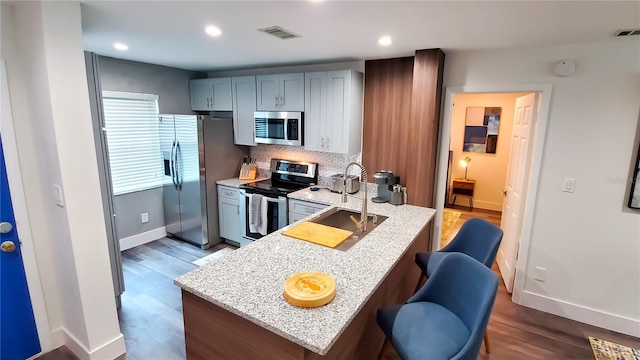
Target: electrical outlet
[[540, 274], [569, 185], [144, 217]]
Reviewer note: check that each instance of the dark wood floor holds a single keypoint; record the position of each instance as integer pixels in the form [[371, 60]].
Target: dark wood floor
[[151, 316]]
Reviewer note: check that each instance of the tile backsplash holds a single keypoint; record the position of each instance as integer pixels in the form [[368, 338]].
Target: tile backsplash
[[328, 163]]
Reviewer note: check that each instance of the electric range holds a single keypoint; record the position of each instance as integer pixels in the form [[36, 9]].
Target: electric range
[[286, 177]]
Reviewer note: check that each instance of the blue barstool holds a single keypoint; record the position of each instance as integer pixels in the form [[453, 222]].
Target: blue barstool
[[447, 317], [477, 238]]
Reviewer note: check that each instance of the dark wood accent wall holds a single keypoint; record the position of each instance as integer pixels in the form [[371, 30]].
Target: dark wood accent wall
[[425, 125], [401, 120], [387, 107]]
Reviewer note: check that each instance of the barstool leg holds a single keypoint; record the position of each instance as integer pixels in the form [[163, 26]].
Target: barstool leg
[[487, 347], [384, 348]]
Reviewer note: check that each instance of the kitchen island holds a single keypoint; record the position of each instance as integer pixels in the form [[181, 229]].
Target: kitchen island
[[234, 308]]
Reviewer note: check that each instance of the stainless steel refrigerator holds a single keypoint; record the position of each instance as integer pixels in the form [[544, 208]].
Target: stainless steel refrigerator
[[197, 151]]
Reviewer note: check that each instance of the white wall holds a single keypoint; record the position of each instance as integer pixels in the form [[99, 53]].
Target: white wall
[[51, 112], [589, 245], [488, 170]]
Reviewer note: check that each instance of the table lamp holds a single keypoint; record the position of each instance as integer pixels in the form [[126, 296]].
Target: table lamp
[[465, 164]]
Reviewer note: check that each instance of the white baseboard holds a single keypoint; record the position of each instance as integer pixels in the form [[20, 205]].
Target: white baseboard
[[487, 205], [110, 350], [142, 238], [582, 314]]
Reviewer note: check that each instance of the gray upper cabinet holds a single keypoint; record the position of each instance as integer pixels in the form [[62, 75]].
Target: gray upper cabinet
[[284, 92], [244, 105], [211, 94], [333, 111]]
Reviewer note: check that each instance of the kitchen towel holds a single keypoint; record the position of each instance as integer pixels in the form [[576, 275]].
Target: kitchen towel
[[258, 208], [255, 210], [264, 204]]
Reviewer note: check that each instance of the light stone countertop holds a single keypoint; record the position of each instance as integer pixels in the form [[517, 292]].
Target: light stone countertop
[[249, 281], [235, 182]]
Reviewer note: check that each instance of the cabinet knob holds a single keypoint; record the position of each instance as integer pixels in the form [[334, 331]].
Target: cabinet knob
[[504, 192]]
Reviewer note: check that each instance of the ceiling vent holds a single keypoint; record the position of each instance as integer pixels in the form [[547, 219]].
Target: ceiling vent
[[279, 32], [629, 32]]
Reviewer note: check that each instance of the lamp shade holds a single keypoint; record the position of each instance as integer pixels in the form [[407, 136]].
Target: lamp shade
[[464, 162]]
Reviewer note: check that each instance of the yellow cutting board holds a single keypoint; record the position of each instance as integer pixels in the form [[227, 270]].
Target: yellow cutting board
[[318, 234]]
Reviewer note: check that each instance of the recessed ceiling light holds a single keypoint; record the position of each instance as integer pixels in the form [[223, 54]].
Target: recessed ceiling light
[[212, 30], [120, 46], [384, 41]]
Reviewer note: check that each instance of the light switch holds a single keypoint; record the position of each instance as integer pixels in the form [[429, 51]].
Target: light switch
[[57, 194], [569, 185], [144, 217]]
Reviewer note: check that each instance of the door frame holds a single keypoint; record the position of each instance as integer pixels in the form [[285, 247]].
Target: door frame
[[21, 214], [535, 165]]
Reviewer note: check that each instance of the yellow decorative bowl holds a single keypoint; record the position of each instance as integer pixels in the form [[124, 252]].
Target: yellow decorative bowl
[[309, 289]]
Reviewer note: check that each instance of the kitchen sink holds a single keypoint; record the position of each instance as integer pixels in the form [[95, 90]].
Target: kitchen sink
[[340, 218]]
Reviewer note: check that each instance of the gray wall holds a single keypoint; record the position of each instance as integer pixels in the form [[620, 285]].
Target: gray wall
[[172, 87]]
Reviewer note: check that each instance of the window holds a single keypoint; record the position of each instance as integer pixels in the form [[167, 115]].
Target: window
[[131, 122]]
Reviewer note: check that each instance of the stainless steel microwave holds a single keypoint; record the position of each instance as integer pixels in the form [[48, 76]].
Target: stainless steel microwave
[[282, 128]]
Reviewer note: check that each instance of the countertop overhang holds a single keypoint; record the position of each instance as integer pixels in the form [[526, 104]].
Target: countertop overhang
[[249, 281]]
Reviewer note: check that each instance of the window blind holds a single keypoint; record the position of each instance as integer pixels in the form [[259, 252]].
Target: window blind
[[131, 122]]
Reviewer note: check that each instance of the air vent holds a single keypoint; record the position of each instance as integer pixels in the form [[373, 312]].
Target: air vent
[[629, 32], [279, 32]]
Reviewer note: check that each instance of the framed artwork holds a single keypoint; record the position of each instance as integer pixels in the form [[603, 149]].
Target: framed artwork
[[634, 197], [481, 129]]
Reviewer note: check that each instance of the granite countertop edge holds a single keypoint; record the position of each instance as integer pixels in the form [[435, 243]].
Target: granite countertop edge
[[235, 182]]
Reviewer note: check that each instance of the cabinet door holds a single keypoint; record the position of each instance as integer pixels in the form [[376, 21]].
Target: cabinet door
[[315, 110], [291, 88], [221, 99], [338, 90], [201, 93], [293, 217], [229, 221], [244, 105], [267, 92]]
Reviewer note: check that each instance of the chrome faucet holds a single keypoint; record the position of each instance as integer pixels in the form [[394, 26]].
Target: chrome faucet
[[363, 214]]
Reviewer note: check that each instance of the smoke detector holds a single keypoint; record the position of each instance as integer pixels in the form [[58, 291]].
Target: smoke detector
[[279, 32], [628, 32]]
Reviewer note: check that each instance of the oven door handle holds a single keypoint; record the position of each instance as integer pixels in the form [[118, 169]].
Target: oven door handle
[[282, 211], [279, 200]]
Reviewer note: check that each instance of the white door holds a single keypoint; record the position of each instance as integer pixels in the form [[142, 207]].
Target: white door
[[516, 185]]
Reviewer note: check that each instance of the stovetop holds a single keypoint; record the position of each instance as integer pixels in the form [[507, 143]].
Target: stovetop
[[286, 177], [273, 187]]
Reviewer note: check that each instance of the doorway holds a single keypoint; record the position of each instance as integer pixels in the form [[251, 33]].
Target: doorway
[[477, 166], [529, 170]]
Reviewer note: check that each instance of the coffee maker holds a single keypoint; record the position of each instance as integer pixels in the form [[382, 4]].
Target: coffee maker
[[385, 180]]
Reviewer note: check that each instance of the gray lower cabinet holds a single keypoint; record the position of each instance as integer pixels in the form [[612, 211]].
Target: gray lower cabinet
[[229, 213], [299, 209]]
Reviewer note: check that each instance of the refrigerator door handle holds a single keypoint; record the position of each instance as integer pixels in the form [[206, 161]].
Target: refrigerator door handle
[[173, 164], [179, 174]]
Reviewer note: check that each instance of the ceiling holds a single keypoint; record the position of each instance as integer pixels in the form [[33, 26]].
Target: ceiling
[[172, 33]]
